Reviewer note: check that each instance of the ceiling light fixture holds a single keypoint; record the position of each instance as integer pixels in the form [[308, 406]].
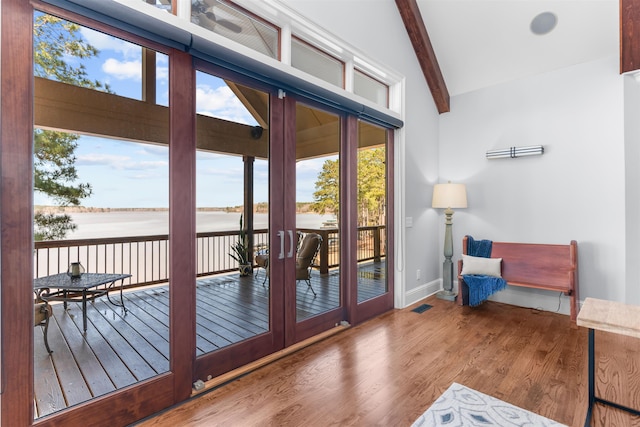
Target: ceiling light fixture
[[543, 23]]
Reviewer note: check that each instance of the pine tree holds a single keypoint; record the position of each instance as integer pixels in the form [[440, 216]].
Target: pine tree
[[55, 174]]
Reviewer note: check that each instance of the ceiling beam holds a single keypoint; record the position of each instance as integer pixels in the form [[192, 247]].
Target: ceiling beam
[[629, 35], [417, 31], [68, 108]]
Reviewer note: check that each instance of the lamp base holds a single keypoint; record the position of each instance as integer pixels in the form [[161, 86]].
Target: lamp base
[[446, 295]]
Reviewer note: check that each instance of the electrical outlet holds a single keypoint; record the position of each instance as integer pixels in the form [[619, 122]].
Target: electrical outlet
[[418, 274]]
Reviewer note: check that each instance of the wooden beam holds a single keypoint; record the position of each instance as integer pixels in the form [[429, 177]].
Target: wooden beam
[[256, 101], [629, 35], [417, 31], [60, 106], [149, 75], [69, 108]]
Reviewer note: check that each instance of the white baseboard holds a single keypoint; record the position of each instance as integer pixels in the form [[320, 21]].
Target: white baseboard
[[538, 299], [421, 292]]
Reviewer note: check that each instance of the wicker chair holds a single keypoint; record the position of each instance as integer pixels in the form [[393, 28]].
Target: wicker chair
[[309, 248]]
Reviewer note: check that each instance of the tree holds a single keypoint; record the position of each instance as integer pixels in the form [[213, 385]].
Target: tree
[[372, 197], [326, 197], [371, 187], [57, 43]]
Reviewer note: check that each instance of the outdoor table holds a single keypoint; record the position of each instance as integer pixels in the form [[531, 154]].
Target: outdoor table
[[62, 287]]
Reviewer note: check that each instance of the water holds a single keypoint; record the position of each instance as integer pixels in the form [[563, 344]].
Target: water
[[93, 225]]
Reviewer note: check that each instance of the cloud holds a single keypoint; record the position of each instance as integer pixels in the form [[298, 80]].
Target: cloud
[[222, 103], [312, 165], [208, 155], [228, 173], [123, 70], [153, 150], [103, 42], [119, 162]]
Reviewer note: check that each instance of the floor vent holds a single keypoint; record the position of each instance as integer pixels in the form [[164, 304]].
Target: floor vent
[[422, 308]]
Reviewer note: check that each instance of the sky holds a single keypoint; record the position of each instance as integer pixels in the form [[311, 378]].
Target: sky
[[126, 174]]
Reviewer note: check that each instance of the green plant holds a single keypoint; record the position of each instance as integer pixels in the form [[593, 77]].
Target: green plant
[[240, 249]]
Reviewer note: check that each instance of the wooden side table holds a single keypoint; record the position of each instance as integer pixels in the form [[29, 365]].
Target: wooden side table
[[608, 316]]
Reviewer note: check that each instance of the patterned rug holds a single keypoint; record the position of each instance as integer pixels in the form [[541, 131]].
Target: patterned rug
[[462, 406]]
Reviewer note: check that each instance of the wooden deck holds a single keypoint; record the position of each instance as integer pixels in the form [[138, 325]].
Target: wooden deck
[[121, 349]]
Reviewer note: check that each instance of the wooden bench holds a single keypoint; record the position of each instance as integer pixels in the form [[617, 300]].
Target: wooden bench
[[540, 266]]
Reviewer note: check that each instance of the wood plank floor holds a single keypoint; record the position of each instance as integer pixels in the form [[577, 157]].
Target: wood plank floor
[[121, 349], [389, 370]]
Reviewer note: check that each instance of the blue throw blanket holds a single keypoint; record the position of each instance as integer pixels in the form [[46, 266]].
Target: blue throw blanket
[[480, 248], [480, 286]]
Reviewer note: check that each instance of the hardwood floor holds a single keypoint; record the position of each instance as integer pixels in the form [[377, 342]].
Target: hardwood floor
[[387, 371]]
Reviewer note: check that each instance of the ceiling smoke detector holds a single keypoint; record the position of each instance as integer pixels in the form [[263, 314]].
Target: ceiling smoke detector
[[544, 23]]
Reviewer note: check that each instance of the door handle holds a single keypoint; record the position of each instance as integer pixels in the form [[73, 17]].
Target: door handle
[[280, 234], [290, 254]]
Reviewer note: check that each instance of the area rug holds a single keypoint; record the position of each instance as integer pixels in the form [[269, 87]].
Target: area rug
[[462, 406]]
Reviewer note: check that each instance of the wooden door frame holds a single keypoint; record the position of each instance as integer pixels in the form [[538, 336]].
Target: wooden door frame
[[297, 331], [16, 204], [16, 245], [359, 312], [239, 354]]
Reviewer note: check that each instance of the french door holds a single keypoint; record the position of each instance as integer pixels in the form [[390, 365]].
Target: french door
[[292, 156], [314, 291], [262, 166]]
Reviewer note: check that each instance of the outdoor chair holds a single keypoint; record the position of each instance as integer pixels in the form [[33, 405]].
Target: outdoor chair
[[42, 313], [262, 259], [309, 248]]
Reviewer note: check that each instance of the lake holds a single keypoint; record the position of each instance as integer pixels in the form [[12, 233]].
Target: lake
[[93, 225]]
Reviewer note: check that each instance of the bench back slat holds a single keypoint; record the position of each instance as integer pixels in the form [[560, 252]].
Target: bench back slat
[[535, 263]]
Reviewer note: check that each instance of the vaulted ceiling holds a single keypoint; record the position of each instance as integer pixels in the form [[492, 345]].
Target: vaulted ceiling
[[480, 43]]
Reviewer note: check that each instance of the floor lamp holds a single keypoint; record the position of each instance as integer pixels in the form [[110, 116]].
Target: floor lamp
[[448, 196]]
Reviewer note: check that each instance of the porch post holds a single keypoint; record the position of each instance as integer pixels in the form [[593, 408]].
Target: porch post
[[248, 201]]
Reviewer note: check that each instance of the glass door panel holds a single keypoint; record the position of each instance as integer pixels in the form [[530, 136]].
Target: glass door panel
[[372, 211], [232, 214], [101, 196], [317, 190]]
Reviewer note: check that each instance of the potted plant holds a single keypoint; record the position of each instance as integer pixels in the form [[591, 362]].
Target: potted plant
[[240, 252]]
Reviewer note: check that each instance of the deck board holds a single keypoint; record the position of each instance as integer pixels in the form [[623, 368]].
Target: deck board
[[98, 381], [119, 349], [48, 394], [72, 383]]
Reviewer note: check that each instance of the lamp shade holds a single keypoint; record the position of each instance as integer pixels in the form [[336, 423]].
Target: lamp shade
[[449, 196]]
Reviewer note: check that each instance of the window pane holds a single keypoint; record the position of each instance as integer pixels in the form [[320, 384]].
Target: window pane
[[372, 211], [232, 219], [234, 23], [317, 63], [371, 89], [317, 211], [101, 198], [160, 4]]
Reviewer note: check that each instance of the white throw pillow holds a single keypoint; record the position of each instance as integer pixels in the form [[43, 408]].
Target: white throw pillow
[[480, 265]]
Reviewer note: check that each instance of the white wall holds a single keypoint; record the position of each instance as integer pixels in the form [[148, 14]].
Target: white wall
[[575, 191], [632, 160], [382, 36]]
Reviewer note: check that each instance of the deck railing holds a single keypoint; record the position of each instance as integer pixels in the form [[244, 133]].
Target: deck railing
[[146, 257]]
